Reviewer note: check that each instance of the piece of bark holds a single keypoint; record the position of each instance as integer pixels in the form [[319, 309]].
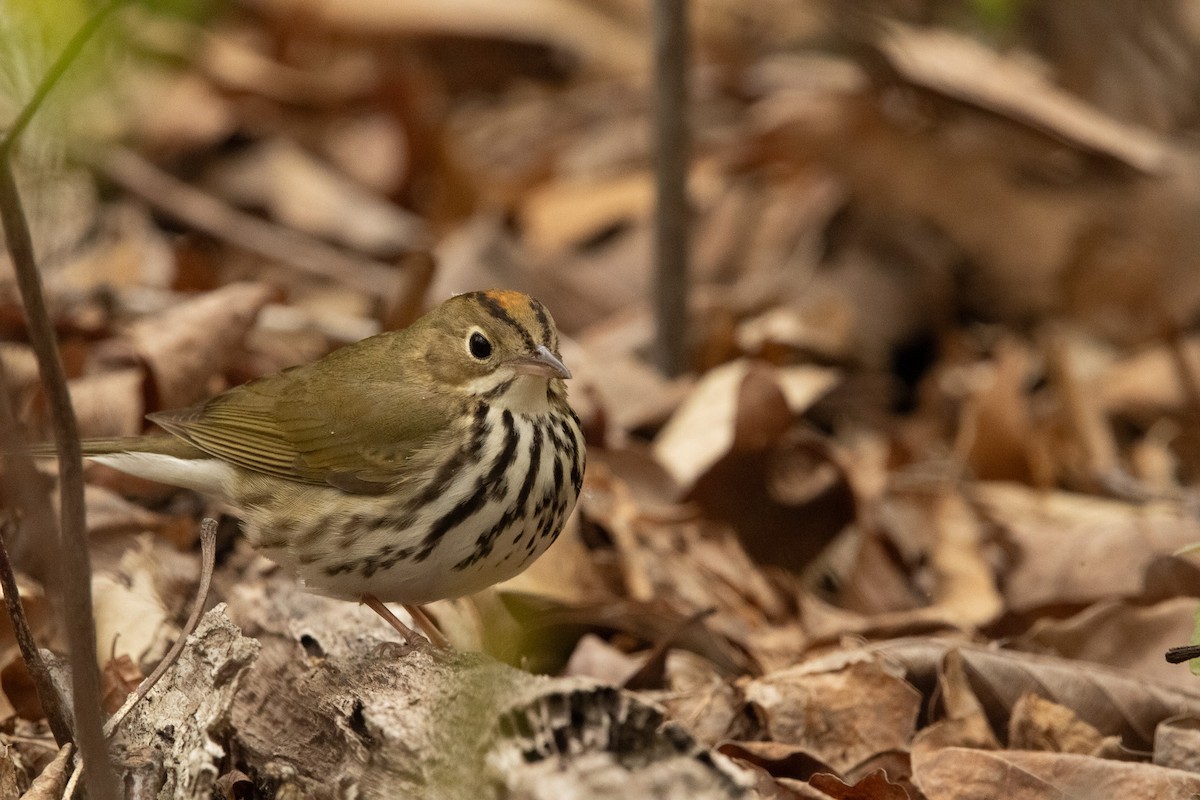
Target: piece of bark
[[398, 722], [173, 739], [332, 708]]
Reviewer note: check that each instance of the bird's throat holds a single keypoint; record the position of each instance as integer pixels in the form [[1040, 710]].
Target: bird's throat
[[528, 394]]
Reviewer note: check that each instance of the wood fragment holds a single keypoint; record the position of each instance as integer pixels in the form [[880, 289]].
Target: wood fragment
[[170, 734]]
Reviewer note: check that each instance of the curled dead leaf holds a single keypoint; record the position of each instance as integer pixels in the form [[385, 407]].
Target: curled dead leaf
[[818, 706], [187, 344]]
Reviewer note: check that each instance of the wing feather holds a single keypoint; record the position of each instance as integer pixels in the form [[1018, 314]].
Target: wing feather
[[342, 421]]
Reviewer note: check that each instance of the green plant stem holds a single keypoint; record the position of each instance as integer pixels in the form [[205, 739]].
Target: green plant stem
[[59, 68]]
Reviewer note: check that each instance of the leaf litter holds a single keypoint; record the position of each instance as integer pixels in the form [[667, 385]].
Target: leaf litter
[[914, 524]]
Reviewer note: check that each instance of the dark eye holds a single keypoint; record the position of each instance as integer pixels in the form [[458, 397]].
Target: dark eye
[[480, 347]]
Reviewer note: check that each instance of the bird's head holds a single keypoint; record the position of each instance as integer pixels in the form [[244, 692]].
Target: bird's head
[[501, 346]]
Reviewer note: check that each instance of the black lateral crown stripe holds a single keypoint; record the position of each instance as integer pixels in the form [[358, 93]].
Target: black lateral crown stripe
[[543, 320], [496, 310]]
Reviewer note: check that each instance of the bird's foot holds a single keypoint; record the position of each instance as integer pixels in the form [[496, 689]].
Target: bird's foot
[[411, 637]]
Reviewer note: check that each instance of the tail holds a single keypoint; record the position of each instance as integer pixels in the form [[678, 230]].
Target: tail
[[159, 458], [157, 444]]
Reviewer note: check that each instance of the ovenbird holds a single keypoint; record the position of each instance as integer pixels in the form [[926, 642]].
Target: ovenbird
[[411, 466]]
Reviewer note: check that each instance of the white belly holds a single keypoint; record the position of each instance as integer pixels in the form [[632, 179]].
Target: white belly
[[484, 519]]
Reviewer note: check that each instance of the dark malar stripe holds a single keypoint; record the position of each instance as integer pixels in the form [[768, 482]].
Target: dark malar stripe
[[498, 389]]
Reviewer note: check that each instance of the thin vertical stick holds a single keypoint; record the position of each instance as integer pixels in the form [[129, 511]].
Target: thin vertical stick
[[74, 571], [74, 566], [47, 693], [672, 151], [31, 502]]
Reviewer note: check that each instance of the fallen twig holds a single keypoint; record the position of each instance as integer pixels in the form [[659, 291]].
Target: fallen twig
[[208, 214], [52, 703], [208, 552]]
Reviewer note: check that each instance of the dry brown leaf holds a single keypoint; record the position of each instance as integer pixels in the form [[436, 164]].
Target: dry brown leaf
[[173, 112], [186, 345], [20, 367], [877, 583], [50, 783], [13, 774], [1113, 701], [1145, 384], [118, 679], [702, 700], [778, 759], [544, 621], [563, 215], [109, 404], [966, 724], [965, 590], [577, 28], [818, 706], [1089, 432], [1124, 635], [1039, 724], [1073, 548], [108, 512], [632, 393], [960, 774], [677, 560], [130, 254], [242, 61], [965, 70], [597, 659], [24, 701], [372, 149], [766, 786], [998, 416], [234, 785], [874, 786], [738, 406], [804, 385], [131, 618], [302, 193]]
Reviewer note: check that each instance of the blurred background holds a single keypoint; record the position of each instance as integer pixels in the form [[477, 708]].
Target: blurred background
[[942, 364]]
